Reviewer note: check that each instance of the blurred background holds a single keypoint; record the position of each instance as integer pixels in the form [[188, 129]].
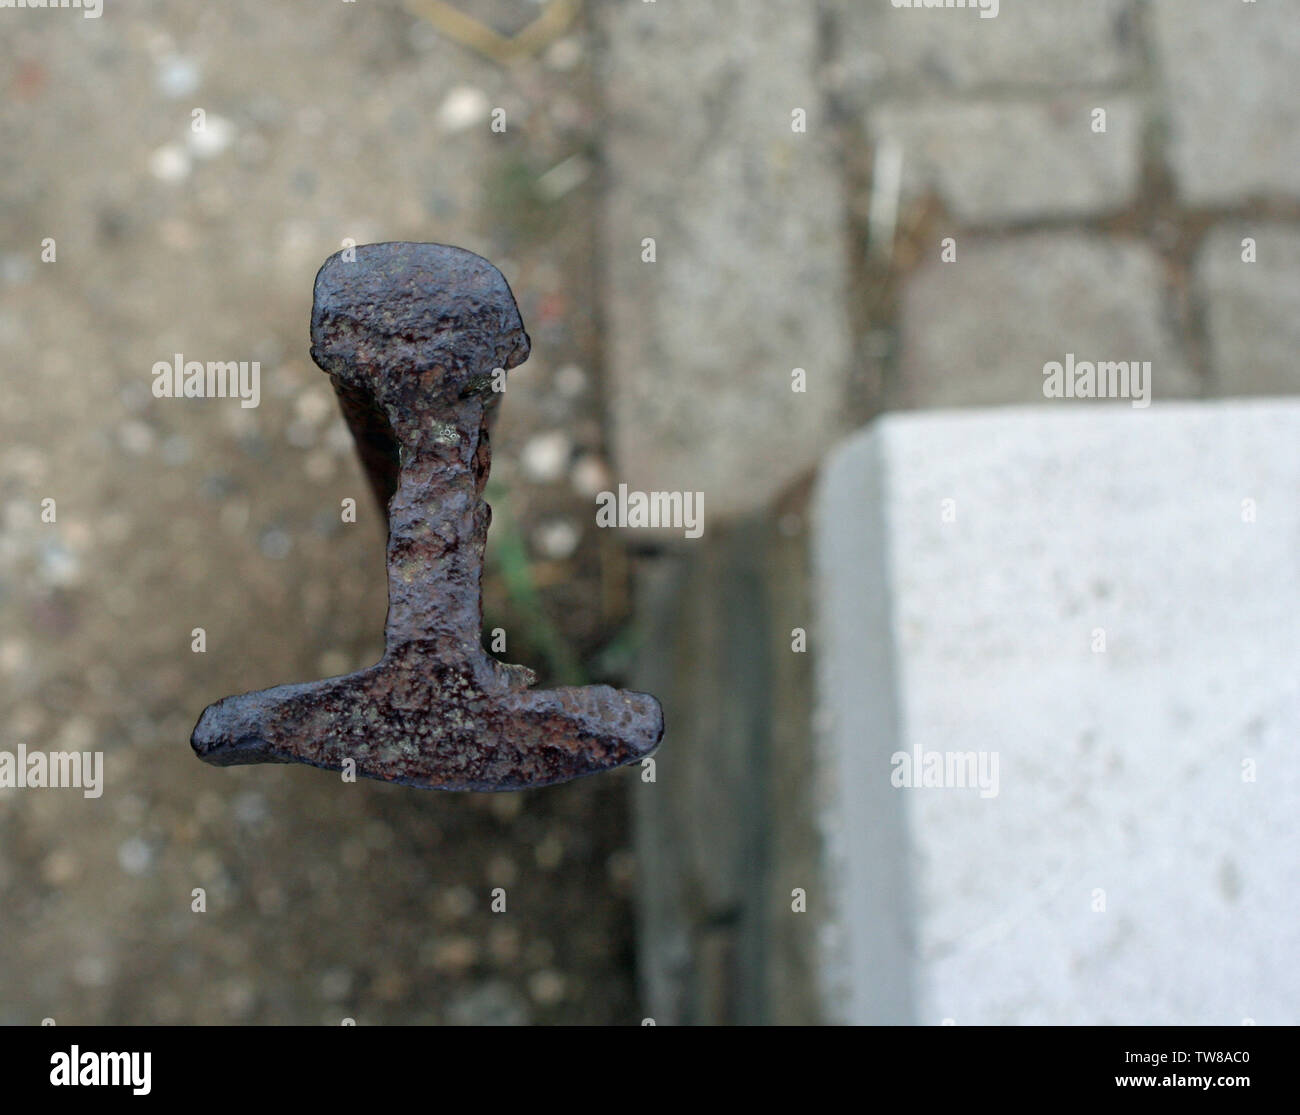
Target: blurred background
[[690, 202]]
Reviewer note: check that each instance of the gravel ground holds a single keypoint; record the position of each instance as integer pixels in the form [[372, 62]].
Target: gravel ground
[[323, 900]]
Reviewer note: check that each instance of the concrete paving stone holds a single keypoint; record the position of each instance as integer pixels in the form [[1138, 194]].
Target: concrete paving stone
[[1229, 73], [979, 331], [1081, 597], [1047, 43], [750, 274], [998, 161], [1254, 331]]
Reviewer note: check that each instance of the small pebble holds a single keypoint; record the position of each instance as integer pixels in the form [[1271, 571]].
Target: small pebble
[[457, 902], [59, 565], [546, 456], [490, 1004], [319, 466], [169, 163], [134, 856], [333, 663], [556, 539], [335, 984], [301, 435], [505, 807], [621, 867], [550, 852], [250, 808], [239, 997], [589, 476], [501, 871], [60, 867], [135, 437], [546, 987], [454, 955], [570, 380], [503, 943], [313, 407], [463, 107], [212, 139], [13, 654], [563, 55], [275, 543], [176, 76], [91, 971], [76, 734]]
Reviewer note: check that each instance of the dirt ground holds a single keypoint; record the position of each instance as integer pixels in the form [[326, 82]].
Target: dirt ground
[[324, 900]]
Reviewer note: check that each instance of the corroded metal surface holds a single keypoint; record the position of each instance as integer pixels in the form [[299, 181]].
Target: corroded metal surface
[[411, 335]]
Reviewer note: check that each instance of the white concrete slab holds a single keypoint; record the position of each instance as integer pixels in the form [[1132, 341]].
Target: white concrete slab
[[1108, 608]]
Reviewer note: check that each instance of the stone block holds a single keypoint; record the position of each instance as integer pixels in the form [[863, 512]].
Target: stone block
[[1250, 308], [1230, 88], [997, 161], [749, 275], [1099, 605], [980, 330]]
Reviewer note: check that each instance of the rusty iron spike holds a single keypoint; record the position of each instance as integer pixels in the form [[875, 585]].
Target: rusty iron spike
[[411, 335]]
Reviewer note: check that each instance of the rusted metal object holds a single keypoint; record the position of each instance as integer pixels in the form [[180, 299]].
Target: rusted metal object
[[411, 335]]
